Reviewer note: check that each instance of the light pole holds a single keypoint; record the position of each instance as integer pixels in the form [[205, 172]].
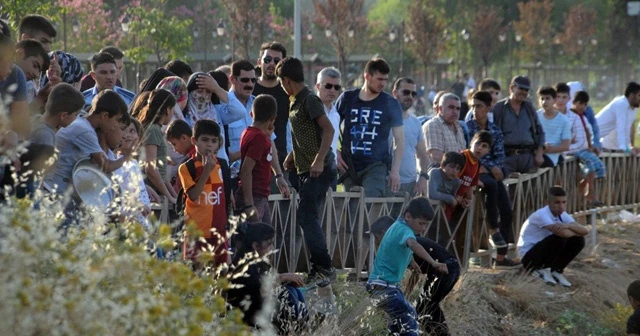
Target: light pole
[[393, 34]]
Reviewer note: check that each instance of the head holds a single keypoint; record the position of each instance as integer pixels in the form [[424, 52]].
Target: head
[[180, 69], [179, 135], [271, 53], [450, 108], [226, 69], [264, 111], [380, 227], [547, 98], [418, 214], [114, 137], [580, 102], [259, 239], [563, 93], [131, 136], [71, 67], [37, 27], [177, 87], [7, 49], [632, 92], [156, 77], [633, 293], [329, 84], [481, 144], [64, 103], [491, 86], [32, 58], [104, 71], [118, 56], [404, 90], [452, 164], [139, 103], [198, 96], [158, 108], [519, 89], [557, 200], [109, 109], [206, 137], [291, 74], [376, 74], [243, 78], [481, 103], [436, 102]]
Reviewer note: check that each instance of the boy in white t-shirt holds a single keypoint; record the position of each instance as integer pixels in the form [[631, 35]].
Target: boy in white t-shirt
[[550, 239]]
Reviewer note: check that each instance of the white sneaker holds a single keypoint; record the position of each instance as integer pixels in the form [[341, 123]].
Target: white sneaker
[[545, 274], [560, 279]]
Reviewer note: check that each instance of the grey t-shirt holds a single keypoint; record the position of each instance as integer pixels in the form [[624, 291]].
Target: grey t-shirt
[[43, 134], [412, 136], [441, 188], [73, 143]]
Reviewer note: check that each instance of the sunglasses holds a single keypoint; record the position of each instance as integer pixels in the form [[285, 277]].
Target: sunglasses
[[330, 86], [246, 80], [409, 92], [268, 59]]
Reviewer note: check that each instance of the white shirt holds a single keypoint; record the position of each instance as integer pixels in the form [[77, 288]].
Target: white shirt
[[534, 228], [614, 122], [334, 117], [579, 140]]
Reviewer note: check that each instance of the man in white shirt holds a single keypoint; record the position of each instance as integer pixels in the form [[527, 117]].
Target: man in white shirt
[[616, 120], [550, 239], [328, 87]]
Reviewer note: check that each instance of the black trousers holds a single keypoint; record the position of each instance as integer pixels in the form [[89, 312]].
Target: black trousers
[[553, 252], [497, 202]]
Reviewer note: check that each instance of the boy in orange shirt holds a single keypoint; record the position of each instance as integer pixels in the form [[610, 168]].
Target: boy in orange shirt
[[205, 206]]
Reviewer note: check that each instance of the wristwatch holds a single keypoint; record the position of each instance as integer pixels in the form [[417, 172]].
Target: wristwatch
[[423, 174]]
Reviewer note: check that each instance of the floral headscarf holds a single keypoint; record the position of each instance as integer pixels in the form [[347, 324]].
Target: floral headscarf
[[176, 86]]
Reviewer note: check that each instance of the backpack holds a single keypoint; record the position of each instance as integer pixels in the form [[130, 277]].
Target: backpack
[[181, 200]]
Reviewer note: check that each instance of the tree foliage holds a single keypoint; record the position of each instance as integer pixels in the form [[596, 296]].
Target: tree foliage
[[535, 27], [427, 28], [487, 25], [579, 29], [248, 24]]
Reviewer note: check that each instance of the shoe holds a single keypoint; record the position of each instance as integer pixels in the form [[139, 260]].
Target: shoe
[[497, 240], [505, 263], [545, 274], [319, 274], [560, 279]]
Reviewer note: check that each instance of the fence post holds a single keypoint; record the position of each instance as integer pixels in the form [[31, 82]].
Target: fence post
[[467, 237]]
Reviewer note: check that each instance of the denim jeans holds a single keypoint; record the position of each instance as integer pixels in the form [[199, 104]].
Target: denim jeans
[[313, 191], [373, 178], [291, 310], [434, 291], [403, 318]]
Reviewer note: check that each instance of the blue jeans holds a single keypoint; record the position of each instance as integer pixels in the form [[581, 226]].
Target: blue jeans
[[373, 180], [403, 318], [313, 191], [435, 289], [291, 308]]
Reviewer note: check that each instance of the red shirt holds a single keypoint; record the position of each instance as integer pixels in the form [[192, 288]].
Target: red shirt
[[256, 145]]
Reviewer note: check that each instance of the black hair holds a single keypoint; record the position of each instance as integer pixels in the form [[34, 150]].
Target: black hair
[[582, 97], [34, 48], [548, 91], [101, 58], [264, 108], [64, 98], [178, 128], [402, 80], [483, 137], [292, 68], [139, 103], [109, 101], [419, 207], [241, 65], [483, 96], [33, 24], [159, 101], [192, 83], [489, 83], [257, 233], [453, 158], [223, 81], [5, 35], [634, 290], [556, 191], [206, 127], [382, 224], [137, 126], [114, 51], [276, 46], [156, 77], [179, 68], [562, 88], [632, 88], [377, 65]]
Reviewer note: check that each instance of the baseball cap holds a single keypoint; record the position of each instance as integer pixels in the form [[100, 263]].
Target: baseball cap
[[522, 82]]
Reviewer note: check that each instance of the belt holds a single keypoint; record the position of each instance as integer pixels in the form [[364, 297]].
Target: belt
[[518, 151], [381, 283]]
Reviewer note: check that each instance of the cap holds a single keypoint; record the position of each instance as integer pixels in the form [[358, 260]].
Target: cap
[[522, 82]]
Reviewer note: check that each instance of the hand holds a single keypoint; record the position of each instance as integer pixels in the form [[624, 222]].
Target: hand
[[454, 203], [483, 170], [283, 186], [539, 160], [172, 200], [289, 164], [207, 82], [145, 211], [54, 72], [394, 181], [421, 187], [595, 150], [342, 165], [547, 147], [441, 267], [153, 195], [295, 279], [251, 212], [466, 202], [316, 168], [209, 162], [497, 173], [415, 267]]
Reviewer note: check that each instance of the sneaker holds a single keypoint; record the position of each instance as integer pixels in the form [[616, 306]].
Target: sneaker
[[319, 274], [505, 263], [545, 274], [497, 240], [560, 279]]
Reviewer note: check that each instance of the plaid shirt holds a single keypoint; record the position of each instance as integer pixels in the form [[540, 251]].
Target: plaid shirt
[[442, 136], [495, 157]]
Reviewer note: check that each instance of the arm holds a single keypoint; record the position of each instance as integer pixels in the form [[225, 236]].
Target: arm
[[423, 159], [107, 165], [591, 116], [231, 111], [567, 230], [433, 138], [208, 164], [632, 134], [435, 179], [398, 151], [246, 176], [325, 145], [562, 147], [621, 130], [20, 118], [422, 253], [283, 186], [152, 172]]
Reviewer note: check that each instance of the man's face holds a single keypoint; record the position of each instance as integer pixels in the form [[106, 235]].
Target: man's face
[[376, 81], [579, 107], [495, 95], [547, 102], [518, 94], [67, 118], [329, 89], [480, 149], [268, 61], [561, 101], [634, 99], [31, 66], [119, 67], [206, 145], [105, 75], [558, 204], [451, 170], [479, 109], [182, 144], [41, 37], [243, 84], [406, 94], [450, 111]]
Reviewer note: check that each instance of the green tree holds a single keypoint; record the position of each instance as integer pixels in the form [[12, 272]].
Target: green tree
[[15, 10], [427, 28], [534, 26], [486, 26]]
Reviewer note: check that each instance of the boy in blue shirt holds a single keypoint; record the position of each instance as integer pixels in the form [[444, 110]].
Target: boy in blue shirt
[[393, 256]]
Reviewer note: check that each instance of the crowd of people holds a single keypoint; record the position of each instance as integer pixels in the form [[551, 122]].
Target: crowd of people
[[216, 144]]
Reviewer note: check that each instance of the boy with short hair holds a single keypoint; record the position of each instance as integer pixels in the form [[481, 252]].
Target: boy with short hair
[[556, 126], [563, 95], [633, 323], [444, 181], [179, 135], [583, 148], [62, 108], [493, 88], [31, 58], [255, 153], [205, 206], [393, 257]]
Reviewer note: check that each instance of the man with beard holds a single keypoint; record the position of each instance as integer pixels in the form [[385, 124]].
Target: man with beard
[[370, 115], [104, 71], [523, 135], [404, 90], [616, 121]]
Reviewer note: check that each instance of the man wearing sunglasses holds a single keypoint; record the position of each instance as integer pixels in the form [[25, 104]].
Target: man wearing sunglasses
[[329, 88], [404, 90]]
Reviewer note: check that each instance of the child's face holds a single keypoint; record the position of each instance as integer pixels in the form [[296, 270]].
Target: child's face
[[561, 101], [451, 170], [182, 144], [114, 137], [67, 118], [130, 137], [107, 123], [417, 224], [479, 149], [265, 247], [495, 95], [206, 144], [579, 107], [480, 109], [546, 102], [167, 117]]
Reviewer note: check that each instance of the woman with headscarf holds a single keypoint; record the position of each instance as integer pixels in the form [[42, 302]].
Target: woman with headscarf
[[70, 66], [155, 79]]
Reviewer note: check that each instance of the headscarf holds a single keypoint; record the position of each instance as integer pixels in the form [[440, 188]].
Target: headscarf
[[199, 106], [155, 79], [71, 68], [176, 86], [573, 88]]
